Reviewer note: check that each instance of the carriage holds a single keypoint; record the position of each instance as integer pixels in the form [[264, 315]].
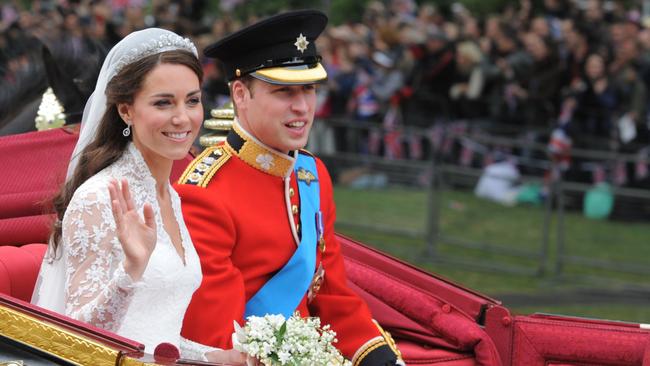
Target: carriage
[[433, 320]]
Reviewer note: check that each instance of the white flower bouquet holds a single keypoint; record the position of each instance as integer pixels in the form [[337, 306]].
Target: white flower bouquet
[[275, 341]]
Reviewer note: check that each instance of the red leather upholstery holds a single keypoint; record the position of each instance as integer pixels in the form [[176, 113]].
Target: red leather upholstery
[[19, 268], [432, 330], [468, 301], [543, 340], [34, 166], [416, 354], [18, 204], [18, 231]]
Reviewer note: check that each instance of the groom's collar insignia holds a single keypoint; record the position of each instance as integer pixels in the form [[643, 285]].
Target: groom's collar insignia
[[306, 176], [256, 154]]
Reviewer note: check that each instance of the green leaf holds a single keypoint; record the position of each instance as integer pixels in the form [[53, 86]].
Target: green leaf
[[280, 333]]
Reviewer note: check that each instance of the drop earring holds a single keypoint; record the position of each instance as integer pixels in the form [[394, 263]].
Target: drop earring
[[127, 130]]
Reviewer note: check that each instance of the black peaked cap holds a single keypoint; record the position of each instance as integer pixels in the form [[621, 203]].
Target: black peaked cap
[[277, 41]]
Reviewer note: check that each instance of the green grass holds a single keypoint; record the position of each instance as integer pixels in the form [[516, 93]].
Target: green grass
[[370, 215]]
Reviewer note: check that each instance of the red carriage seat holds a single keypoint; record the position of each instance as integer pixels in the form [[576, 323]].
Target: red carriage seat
[[22, 230], [555, 340], [433, 321], [19, 268], [34, 167]]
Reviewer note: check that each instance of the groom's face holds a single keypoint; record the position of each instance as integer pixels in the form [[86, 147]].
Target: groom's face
[[280, 116]]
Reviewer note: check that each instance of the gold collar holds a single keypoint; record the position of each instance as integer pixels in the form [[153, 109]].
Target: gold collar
[[256, 154]]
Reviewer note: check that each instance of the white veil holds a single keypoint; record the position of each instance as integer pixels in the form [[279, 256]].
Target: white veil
[[49, 291]]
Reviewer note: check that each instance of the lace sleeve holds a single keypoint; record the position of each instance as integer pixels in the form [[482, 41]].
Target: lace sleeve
[[195, 351], [98, 290]]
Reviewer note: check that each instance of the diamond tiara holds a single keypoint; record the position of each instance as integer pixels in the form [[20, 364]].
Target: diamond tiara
[[166, 42]]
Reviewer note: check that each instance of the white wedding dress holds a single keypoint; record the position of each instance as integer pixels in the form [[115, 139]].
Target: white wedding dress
[[96, 288]]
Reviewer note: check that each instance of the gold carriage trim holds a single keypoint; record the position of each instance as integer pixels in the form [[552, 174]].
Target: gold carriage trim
[[204, 166], [59, 342], [365, 350]]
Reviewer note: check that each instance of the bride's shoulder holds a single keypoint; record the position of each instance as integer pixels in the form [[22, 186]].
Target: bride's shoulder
[[93, 191]]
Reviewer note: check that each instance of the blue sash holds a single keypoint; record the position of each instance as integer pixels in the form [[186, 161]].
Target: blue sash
[[284, 291]]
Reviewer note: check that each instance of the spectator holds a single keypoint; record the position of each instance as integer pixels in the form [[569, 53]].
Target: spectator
[[538, 93], [593, 101], [630, 88], [469, 79], [434, 70]]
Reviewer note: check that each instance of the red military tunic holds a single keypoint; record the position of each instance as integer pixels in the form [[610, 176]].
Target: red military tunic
[[241, 205]]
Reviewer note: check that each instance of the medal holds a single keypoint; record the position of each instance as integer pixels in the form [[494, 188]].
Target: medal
[[320, 230]]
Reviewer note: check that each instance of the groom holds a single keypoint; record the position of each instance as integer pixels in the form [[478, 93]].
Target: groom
[[260, 210]]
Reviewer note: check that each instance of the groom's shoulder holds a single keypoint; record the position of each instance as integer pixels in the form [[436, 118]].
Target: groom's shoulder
[[201, 170]]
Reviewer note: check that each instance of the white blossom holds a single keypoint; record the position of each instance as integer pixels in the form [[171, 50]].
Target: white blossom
[[276, 341]]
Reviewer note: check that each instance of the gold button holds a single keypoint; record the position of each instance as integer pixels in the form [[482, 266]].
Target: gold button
[[294, 209], [291, 192], [321, 244], [297, 227]]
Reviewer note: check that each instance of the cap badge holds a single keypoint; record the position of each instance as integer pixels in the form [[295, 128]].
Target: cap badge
[[306, 176], [301, 43]]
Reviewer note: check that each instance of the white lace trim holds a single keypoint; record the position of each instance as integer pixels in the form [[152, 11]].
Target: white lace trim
[[195, 351]]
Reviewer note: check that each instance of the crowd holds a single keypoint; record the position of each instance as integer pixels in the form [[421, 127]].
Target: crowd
[[573, 74], [573, 70]]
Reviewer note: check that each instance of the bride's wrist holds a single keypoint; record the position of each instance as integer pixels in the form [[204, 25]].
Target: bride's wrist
[[134, 269]]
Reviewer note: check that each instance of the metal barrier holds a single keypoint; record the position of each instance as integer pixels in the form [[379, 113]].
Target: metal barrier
[[437, 178]]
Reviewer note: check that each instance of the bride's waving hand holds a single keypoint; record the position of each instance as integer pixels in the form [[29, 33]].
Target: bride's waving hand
[[136, 234]]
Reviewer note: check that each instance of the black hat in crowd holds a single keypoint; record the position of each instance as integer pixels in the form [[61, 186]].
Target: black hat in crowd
[[280, 49]]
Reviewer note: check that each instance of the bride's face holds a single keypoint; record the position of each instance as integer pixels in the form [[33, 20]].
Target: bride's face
[[166, 113]]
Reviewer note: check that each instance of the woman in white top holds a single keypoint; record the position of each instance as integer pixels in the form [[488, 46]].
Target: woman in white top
[[107, 264]]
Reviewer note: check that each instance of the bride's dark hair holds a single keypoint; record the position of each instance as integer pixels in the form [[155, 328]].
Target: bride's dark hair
[[109, 143]]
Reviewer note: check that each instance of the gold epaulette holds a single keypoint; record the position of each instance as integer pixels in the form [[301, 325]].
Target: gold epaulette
[[204, 166]]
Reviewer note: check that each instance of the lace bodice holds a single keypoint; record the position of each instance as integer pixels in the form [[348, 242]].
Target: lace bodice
[[98, 290]]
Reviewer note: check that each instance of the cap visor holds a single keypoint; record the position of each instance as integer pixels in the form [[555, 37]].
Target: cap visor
[[292, 75]]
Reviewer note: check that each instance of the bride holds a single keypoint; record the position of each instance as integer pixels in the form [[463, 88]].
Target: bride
[[106, 264]]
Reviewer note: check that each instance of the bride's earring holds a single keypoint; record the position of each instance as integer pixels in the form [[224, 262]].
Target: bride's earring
[[127, 130]]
